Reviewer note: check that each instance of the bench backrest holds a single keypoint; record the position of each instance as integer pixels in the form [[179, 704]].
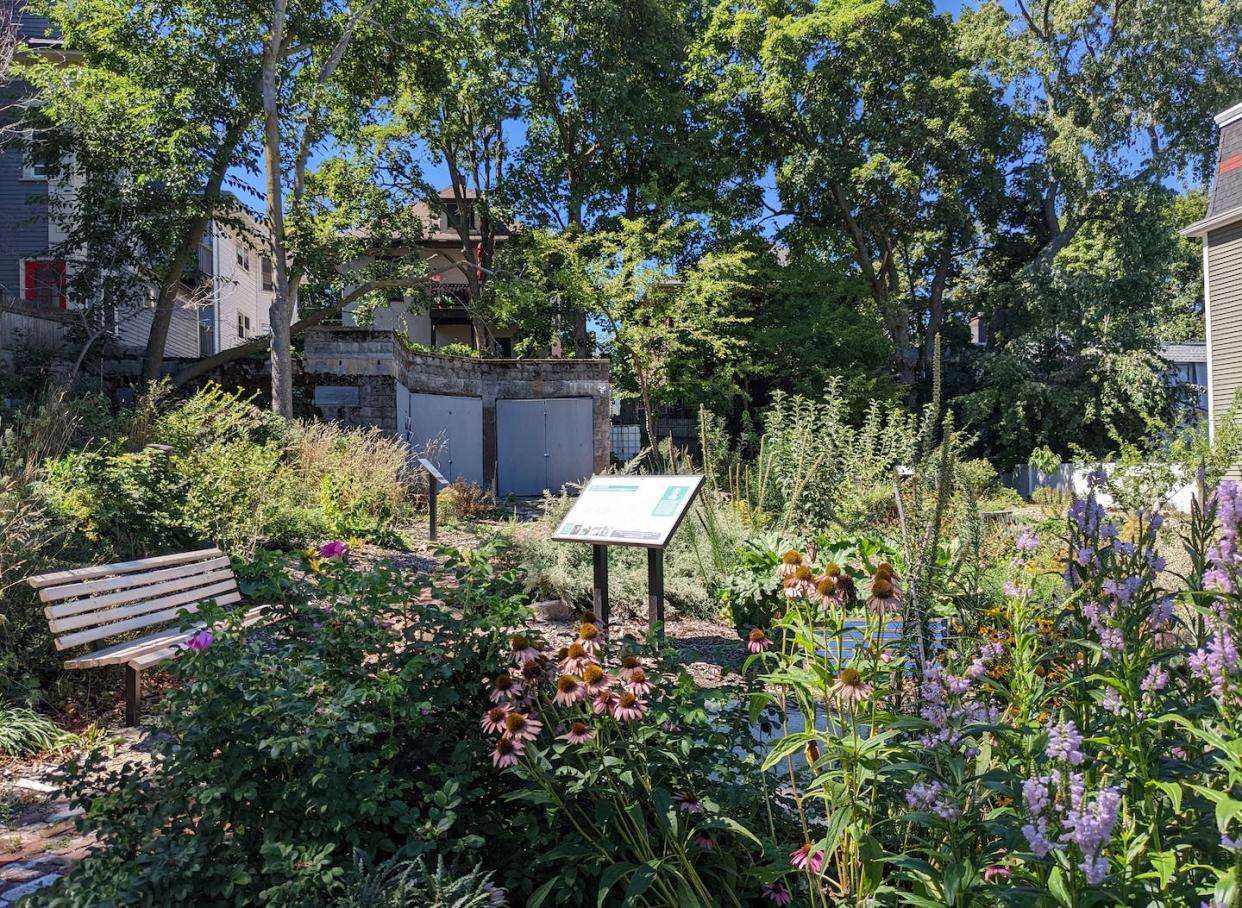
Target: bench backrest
[[85, 605]]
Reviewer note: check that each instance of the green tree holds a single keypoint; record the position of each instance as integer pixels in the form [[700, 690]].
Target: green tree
[[1116, 97], [877, 129], [159, 105]]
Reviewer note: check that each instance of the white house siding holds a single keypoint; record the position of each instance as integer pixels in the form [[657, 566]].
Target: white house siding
[[134, 327]]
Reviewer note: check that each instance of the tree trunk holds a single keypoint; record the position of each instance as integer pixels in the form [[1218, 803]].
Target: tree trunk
[[935, 313], [170, 283], [278, 314]]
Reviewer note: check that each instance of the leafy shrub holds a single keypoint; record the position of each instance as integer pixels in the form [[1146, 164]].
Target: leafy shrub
[[131, 504], [359, 476], [350, 725]]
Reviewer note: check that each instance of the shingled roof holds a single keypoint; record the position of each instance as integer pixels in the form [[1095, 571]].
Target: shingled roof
[[1225, 204]]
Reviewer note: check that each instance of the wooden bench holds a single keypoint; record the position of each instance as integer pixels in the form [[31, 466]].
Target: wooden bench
[[86, 606]]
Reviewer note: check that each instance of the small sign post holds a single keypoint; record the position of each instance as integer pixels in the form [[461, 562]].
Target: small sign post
[[435, 479], [629, 510]]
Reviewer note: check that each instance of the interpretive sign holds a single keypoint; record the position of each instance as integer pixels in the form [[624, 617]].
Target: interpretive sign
[[629, 510], [435, 479]]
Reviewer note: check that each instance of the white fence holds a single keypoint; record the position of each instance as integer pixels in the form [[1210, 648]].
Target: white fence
[[1071, 478]]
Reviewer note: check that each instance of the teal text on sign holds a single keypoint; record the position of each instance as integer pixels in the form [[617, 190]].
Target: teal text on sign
[[667, 505]]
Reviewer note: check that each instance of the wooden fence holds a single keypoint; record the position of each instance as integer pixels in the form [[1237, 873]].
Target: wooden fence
[[24, 325]]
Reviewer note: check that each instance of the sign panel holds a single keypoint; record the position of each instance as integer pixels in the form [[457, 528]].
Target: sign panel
[[431, 468], [336, 396], [629, 510]]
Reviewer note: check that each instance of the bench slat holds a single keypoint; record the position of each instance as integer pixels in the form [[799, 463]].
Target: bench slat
[[120, 567], [152, 657], [132, 650], [126, 581], [98, 603], [133, 624], [91, 619]]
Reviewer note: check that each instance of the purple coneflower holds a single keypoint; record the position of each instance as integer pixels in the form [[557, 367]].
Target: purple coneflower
[[688, 801], [757, 641], [790, 562], [850, 687], [576, 659], [521, 650], [521, 727], [579, 733], [569, 690], [596, 679], [506, 753], [493, 721], [996, 872], [505, 688], [604, 702], [639, 683], [807, 858], [704, 841], [777, 894], [629, 665], [628, 708], [201, 641], [589, 637]]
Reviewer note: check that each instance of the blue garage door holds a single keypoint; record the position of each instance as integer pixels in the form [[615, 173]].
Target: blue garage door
[[448, 431], [543, 444]]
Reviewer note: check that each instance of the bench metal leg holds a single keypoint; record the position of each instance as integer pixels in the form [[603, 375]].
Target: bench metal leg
[[133, 695]]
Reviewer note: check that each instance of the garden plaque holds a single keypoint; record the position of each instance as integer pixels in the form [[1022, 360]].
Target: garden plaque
[[629, 510]]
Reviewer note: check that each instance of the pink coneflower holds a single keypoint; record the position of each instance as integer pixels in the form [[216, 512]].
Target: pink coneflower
[[807, 858], [800, 585], [639, 683], [604, 702], [505, 688], [569, 690], [521, 650], [521, 727], [589, 637], [494, 720], [757, 641], [201, 641], [688, 801], [506, 753], [628, 708], [704, 841], [576, 659], [883, 594], [996, 872], [596, 679], [850, 687], [579, 733], [790, 562], [533, 671], [629, 665], [777, 893]]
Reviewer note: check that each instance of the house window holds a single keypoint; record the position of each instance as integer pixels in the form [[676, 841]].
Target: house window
[[34, 160], [243, 326], [265, 267], [454, 217], [43, 282], [243, 257]]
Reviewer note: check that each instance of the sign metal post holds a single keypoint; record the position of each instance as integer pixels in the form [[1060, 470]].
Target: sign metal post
[[435, 479], [640, 511]]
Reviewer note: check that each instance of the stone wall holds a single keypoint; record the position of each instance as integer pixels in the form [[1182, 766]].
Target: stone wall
[[374, 361]]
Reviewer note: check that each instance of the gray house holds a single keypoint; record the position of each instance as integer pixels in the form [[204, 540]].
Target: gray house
[[1221, 232]]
